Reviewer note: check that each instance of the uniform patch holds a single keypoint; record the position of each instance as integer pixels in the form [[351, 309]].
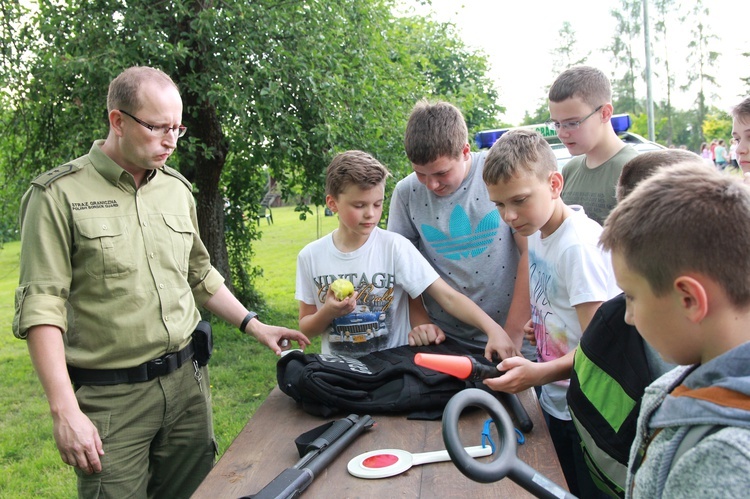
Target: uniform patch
[[94, 205], [47, 178]]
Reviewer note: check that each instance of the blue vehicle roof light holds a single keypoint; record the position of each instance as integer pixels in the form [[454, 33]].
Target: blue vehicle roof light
[[485, 138], [621, 122]]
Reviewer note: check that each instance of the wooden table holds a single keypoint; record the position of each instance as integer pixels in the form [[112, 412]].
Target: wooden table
[[265, 448]]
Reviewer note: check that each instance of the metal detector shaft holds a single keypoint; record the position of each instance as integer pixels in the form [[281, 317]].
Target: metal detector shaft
[[291, 482]]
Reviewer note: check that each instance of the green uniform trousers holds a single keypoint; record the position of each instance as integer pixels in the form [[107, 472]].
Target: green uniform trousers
[[157, 436]]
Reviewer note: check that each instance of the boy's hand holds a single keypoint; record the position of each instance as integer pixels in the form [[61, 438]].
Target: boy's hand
[[528, 332], [500, 346], [426, 334], [339, 308], [520, 374]]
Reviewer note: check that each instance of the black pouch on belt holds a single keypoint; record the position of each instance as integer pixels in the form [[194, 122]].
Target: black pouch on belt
[[204, 342]]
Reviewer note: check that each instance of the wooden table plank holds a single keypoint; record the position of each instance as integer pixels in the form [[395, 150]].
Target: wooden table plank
[[265, 447]]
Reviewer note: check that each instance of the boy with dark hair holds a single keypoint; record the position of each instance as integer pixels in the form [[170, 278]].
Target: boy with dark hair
[[613, 365], [580, 108], [679, 244], [384, 268], [569, 277], [443, 209]]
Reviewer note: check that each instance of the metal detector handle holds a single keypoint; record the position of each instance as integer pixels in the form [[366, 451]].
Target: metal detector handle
[[291, 482], [518, 410], [505, 463], [325, 458], [336, 430]]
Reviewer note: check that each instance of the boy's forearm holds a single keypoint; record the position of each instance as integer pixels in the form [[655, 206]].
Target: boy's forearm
[[417, 313], [519, 312], [314, 324], [555, 370]]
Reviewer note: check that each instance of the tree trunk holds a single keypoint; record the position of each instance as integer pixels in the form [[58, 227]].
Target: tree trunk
[[207, 174]]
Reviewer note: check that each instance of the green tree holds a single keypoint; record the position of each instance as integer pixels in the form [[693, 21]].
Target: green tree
[[566, 52], [271, 89], [627, 33], [700, 45], [717, 125], [665, 10]]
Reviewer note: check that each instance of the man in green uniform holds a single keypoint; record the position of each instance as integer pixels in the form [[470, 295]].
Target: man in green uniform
[[112, 272]]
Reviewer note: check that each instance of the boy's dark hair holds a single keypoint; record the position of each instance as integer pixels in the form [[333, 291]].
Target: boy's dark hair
[[354, 168], [742, 110], [518, 152], [646, 164], [585, 82], [433, 131], [684, 219]]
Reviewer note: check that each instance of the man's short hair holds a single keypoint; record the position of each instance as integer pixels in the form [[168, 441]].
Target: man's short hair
[[123, 90], [518, 152], [433, 131], [587, 83], [354, 168], [646, 164], [742, 110], [685, 219]]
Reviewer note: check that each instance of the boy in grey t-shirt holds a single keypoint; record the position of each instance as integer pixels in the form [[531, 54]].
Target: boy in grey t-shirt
[[443, 208]]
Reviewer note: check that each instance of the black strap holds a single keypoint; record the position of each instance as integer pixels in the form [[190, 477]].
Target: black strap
[[147, 371]]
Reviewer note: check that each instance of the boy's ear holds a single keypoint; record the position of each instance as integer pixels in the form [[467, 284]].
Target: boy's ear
[[607, 111], [331, 203], [556, 183], [693, 298], [466, 151]]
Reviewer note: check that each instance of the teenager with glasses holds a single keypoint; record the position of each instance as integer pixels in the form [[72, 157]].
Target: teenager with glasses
[[580, 109]]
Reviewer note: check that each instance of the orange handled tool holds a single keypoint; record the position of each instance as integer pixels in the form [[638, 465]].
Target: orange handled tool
[[460, 366]]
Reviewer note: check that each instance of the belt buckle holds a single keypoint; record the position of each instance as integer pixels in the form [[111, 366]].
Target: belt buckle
[[158, 367]]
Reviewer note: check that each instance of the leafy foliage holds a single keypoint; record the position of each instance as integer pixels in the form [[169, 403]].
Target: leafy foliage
[[272, 89]]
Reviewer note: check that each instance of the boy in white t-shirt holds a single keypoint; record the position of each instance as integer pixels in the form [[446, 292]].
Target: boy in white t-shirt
[[569, 277], [384, 267]]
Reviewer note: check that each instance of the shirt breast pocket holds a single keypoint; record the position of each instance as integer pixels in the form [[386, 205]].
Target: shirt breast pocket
[[181, 232], [104, 247]]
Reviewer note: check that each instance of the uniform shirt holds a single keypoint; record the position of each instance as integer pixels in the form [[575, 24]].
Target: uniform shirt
[[118, 269]]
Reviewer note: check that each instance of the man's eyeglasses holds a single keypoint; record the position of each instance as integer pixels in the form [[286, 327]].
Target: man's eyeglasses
[[163, 130], [572, 125]]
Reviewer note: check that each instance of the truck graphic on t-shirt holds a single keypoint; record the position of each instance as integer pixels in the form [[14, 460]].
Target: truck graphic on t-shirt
[[358, 327]]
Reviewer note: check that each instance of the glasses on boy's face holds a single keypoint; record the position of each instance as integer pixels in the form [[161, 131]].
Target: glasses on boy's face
[[572, 125], [158, 130]]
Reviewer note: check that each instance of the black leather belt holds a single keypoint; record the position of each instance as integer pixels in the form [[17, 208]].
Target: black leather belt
[[145, 372]]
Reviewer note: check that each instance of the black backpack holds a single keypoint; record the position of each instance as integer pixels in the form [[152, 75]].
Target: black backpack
[[383, 382]]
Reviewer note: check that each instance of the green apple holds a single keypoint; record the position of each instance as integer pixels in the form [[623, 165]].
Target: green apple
[[342, 288]]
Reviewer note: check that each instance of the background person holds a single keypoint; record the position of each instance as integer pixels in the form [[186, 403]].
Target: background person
[[580, 108]]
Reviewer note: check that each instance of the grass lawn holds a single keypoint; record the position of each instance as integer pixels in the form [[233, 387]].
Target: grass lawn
[[242, 372]]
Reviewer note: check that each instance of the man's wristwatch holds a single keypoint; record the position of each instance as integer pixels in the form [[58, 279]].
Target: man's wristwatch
[[250, 316]]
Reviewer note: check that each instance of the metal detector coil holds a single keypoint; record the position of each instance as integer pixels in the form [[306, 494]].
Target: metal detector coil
[[506, 462]]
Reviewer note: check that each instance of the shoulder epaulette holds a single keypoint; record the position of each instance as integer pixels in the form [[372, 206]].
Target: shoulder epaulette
[[174, 173], [45, 179]]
